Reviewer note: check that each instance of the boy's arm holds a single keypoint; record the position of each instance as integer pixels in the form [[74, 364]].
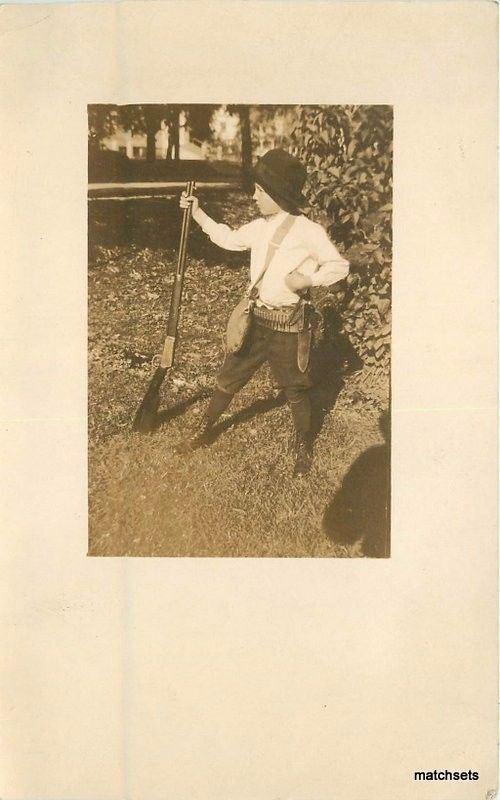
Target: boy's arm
[[222, 235], [332, 267]]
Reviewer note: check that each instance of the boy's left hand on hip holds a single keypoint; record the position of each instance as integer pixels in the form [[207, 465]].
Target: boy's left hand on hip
[[297, 282]]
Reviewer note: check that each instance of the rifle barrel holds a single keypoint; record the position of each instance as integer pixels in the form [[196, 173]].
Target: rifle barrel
[[167, 358]]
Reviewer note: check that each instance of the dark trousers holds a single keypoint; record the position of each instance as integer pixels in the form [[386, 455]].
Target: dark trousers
[[279, 349]]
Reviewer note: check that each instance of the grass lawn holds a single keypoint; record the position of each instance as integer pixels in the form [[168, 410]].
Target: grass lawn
[[236, 497]]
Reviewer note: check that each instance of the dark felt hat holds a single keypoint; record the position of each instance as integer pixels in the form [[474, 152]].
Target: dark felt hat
[[282, 176]]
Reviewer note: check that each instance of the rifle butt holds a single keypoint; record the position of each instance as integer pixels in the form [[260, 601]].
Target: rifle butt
[[146, 416]]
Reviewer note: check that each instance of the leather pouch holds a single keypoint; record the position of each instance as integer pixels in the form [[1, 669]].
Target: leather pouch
[[238, 325]]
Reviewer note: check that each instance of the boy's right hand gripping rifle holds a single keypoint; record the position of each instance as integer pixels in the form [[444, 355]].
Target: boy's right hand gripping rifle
[[146, 418]]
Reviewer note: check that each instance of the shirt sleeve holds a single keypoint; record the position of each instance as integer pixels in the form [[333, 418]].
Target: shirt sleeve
[[223, 236], [332, 267]]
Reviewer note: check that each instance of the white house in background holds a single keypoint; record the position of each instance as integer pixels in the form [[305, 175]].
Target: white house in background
[[134, 145]]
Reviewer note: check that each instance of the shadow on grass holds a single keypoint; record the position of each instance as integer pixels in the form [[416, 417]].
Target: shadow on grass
[[257, 408], [245, 415], [358, 516], [332, 360], [167, 414]]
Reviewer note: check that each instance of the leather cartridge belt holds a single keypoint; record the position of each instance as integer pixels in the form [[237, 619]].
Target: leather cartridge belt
[[289, 319]]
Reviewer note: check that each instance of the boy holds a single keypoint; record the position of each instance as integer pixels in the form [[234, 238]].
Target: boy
[[298, 255]]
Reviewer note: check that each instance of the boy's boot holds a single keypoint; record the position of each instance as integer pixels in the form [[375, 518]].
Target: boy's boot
[[303, 453], [201, 436]]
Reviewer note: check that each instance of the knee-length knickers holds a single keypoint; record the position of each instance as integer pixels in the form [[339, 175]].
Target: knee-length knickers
[[279, 350]]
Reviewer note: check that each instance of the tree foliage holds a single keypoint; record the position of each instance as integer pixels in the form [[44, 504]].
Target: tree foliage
[[103, 120], [348, 152], [139, 118], [198, 117]]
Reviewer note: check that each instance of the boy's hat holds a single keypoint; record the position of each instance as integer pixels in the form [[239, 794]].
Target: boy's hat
[[282, 176]]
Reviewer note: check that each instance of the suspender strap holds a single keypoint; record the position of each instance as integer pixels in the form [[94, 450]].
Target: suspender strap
[[279, 234]]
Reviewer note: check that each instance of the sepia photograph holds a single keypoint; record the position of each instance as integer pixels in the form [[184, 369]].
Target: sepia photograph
[[249, 261], [239, 330]]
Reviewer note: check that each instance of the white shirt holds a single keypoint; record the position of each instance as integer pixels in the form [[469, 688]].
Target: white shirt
[[306, 247]]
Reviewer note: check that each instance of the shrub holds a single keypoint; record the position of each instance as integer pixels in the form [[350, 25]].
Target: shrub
[[348, 152]]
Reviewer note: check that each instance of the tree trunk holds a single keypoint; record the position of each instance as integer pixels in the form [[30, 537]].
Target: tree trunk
[[246, 146], [153, 120], [151, 144], [175, 136]]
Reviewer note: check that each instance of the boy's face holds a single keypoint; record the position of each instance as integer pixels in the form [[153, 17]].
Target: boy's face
[[267, 206]]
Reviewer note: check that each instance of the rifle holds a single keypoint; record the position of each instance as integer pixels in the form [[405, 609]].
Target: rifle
[[145, 419]]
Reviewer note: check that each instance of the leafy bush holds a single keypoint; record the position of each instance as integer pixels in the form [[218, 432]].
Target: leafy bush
[[348, 152]]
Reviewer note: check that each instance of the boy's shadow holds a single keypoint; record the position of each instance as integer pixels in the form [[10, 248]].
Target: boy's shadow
[[358, 516]]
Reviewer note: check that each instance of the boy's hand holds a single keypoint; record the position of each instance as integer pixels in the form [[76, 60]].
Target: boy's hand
[[297, 282], [187, 200]]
